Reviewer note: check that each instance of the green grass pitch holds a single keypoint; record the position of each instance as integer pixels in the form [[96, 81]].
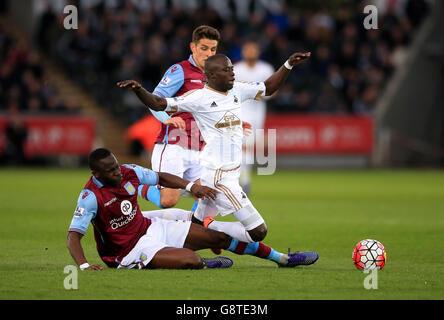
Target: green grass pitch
[[324, 211]]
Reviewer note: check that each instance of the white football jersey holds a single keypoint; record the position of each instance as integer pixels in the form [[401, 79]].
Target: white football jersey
[[219, 118]]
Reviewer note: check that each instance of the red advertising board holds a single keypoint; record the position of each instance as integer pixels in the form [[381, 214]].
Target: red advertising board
[[321, 134], [53, 135]]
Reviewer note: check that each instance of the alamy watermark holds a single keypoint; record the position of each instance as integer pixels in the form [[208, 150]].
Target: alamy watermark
[[371, 281], [71, 20], [71, 280], [371, 20]]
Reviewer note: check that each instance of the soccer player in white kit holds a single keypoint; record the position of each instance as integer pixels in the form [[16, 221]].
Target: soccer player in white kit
[[217, 111], [251, 69]]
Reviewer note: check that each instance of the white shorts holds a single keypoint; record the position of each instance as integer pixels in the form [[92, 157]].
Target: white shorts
[[177, 160], [230, 197], [160, 234]]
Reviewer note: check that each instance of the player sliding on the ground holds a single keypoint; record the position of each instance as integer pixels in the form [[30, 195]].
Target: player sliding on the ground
[[217, 111], [127, 239]]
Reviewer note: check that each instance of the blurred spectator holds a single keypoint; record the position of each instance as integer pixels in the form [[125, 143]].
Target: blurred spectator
[[140, 39], [15, 138]]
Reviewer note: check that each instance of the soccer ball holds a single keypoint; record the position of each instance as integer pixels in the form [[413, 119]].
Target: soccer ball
[[369, 254]]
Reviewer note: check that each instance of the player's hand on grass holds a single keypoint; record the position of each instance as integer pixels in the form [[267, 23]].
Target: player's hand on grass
[[247, 128], [94, 267], [203, 192], [129, 84], [297, 58], [177, 122]]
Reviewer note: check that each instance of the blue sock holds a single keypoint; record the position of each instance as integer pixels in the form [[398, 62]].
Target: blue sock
[[150, 193], [257, 249], [193, 209]]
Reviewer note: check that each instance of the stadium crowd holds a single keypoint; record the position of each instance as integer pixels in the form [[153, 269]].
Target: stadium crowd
[[349, 67], [23, 88]]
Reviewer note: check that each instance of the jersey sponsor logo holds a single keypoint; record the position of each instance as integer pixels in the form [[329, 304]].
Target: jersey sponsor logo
[[78, 213], [196, 81], [126, 207], [173, 69], [228, 121], [128, 215], [130, 188], [85, 194], [236, 100], [213, 105]]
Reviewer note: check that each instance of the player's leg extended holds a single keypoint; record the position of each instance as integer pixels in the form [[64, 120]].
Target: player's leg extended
[[252, 230], [202, 238]]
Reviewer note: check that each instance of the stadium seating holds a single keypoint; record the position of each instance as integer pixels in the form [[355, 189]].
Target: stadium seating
[[348, 70]]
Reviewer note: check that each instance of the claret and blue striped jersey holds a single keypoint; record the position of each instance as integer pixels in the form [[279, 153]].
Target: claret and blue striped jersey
[[114, 213]]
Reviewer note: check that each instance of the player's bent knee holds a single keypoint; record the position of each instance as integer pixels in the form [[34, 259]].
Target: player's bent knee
[[192, 262], [259, 233]]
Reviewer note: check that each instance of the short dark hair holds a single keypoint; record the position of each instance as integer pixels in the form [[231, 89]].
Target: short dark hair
[[205, 32], [209, 63], [97, 155]]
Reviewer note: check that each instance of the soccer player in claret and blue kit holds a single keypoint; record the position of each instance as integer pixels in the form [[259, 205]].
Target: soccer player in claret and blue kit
[[125, 238]]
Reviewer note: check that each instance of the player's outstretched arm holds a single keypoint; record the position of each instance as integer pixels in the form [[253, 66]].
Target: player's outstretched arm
[[198, 191], [150, 100], [276, 80], [76, 251]]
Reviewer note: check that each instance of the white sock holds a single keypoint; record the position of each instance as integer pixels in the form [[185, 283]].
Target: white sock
[[169, 214], [233, 229]]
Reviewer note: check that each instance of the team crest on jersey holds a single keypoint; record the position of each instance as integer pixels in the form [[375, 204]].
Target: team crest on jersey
[[143, 257], [130, 188]]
